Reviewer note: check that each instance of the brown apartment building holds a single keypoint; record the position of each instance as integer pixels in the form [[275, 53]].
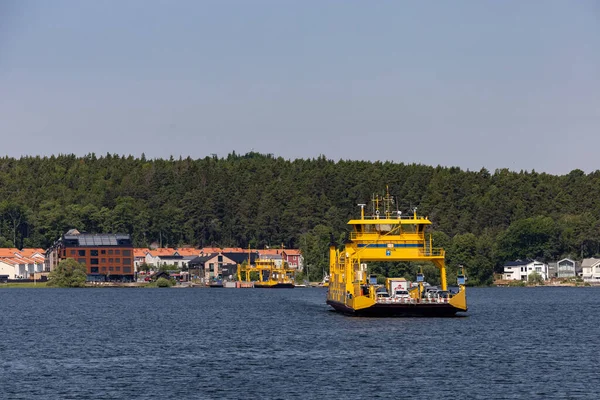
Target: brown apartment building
[[106, 256]]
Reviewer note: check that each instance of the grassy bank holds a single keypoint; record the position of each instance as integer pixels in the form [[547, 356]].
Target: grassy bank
[[24, 285]]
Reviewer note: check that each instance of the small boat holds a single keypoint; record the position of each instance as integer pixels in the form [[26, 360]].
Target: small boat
[[387, 235]]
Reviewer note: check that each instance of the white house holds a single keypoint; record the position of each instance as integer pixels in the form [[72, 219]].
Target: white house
[[590, 269], [519, 270], [21, 267]]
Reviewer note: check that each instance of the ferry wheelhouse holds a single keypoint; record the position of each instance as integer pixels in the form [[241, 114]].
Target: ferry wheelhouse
[[387, 235]]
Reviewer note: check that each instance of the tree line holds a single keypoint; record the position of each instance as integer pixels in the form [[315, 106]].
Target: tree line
[[481, 218]]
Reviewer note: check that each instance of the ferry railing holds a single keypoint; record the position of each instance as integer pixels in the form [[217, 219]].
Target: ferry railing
[[374, 236], [434, 252], [392, 216]]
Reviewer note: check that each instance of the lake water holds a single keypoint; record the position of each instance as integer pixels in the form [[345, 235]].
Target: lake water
[[515, 343]]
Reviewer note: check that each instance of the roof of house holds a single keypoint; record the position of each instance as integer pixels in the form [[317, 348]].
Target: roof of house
[[270, 251], [589, 262], [188, 251], [210, 250], [234, 250], [9, 261], [140, 252], [199, 260], [239, 258], [518, 262], [292, 252], [31, 251], [8, 252], [163, 251]]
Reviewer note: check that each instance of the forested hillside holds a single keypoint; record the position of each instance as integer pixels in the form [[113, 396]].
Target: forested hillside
[[481, 218]]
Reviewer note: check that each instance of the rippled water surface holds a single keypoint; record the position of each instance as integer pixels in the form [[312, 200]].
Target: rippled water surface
[[257, 343]]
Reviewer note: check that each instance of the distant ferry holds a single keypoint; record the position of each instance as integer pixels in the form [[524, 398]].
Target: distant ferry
[[270, 275], [388, 235]]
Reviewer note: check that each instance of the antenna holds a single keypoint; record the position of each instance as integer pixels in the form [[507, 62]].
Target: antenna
[[362, 211]]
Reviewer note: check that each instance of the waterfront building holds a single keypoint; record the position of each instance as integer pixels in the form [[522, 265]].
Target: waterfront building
[[590, 269], [106, 256], [521, 269]]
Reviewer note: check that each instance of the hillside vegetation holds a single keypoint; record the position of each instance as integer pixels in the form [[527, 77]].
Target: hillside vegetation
[[256, 200]]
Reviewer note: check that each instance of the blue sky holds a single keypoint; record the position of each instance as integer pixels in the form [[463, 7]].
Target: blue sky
[[494, 84]]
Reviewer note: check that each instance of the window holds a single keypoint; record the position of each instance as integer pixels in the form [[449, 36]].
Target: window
[[110, 252], [117, 251], [81, 260], [103, 260], [118, 268], [127, 261], [81, 253], [94, 261], [127, 252], [111, 268], [110, 260], [102, 251], [117, 261], [73, 252], [94, 253], [220, 259], [94, 270], [103, 269], [126, 270]]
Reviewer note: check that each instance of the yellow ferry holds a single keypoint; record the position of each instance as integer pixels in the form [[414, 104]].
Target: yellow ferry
[[270, 275], [387, 235]]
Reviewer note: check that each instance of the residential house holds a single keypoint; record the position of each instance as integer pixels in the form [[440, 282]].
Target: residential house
[[21, 264], [590, 269], [153, 256], [520, 269], [293, 258], [566, 268], [139, 257]]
